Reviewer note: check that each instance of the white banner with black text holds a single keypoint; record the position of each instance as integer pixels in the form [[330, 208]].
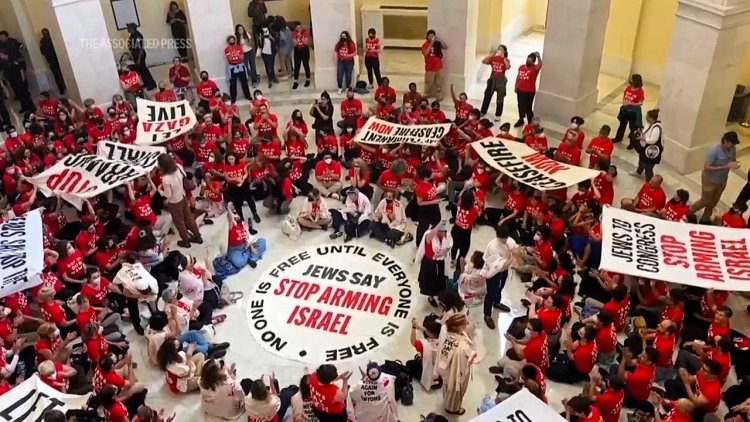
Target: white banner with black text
[[520, 407], [523, 164], [137, 155], [711, 257], [21, 253], [160, 122], [380, 132], [31, 399]]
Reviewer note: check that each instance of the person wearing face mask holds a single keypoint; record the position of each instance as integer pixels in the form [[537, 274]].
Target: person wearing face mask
[[205, 89], [236, 70], [322, 112], [372, 57], [389, 221], [533, 349], [345, 50], [526, 87], [268, 49], [314, 213], [351, 111], [180, 77], [497, 81], [433, 253], [301, 39], [650, 148], [354, 216], [131, 85], [328, 176], [12, 141], [165, 94]]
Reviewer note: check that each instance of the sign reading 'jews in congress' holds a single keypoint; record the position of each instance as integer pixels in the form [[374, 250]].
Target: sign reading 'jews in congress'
[[159, 122], [696, 255], [523, 164], [330, 304], [380, 132]]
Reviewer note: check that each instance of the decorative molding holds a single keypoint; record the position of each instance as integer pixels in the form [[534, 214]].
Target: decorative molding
[[714, 15]]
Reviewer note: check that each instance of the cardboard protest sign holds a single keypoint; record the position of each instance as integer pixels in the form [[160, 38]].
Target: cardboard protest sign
[[138, 155], [159, 122], [523, 164], [520, 407], [21, 253], [31, 399], [380, 132], [695, 255]]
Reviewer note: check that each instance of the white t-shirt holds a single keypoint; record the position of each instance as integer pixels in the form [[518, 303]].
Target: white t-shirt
[[227, 401], [191, 286], [176, 189]]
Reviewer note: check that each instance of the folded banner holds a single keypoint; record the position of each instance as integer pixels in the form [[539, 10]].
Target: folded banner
[[137, 155], [160, 122], [520, 407], [77, 177], [21, 253], [380, 132], [529, 167], [31, 399], [696, 255]]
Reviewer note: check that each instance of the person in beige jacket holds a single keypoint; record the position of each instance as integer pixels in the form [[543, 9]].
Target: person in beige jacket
[[314, 213], [389, 221]]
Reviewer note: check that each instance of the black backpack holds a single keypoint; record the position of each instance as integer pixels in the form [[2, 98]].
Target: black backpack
[[407, 395]]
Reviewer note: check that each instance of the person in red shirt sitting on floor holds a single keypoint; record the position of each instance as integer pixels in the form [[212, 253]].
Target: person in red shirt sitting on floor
[[385, 93], [692, 358], [733, 217], [703, 388], [537, 140], [580, 356], [328, 176], [607, 395], [639, 381], [676, 209], [568, 151], [582, 409], [351, 110], [601, 147], [329, 399], [651, 197]]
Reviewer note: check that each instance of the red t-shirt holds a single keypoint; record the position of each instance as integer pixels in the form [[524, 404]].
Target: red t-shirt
[[724, 359], [351, 109], [651, 198], [372, 45], [323, 396], [602, 145], [633, 95], [537, 351], [264, 127], [53, 312], [675, 416], [463, 110], [594, 416], [664, 344], [609, 404], [551, 319], [96, 347], [675, 211], [345, 49], [300, 38], [516, 201], [465, 218], [733, 220], [526, 79], [72, 265], [328, 172], [237, 235], [537, 143], [720, 298], [130, 80], [385, 94], [675, 314], [271, 150], [206, 89], [180, 72], [96, 297], [606, 189], [572, 154], [234, 54], [432, 63], [584, 357], [498, 64], [141, 209], [639, 381], [710, 390], [606, 339], [389, 181], [425, 191], [49, 107]]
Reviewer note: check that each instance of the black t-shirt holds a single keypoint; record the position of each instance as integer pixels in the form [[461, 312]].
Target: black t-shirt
[[12, 48]]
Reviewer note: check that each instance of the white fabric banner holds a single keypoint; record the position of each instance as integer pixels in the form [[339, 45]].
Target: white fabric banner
[[696, 255], [30, 400], [520, 162], [380, 132], [79, 176], [21, 253], [520, 407], [160, 122], [138, 155]]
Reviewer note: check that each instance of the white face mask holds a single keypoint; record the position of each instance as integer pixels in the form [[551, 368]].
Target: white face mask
[[503, 132], [123, 120], [527, 332], [228, 103], [480, 170], [574, 125], [14, 135], [56, 333], [125, 133], [53, 375], [328, 160], [537, 237], [258, 97]]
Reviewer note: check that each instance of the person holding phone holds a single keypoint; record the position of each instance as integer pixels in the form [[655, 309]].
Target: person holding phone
[[499, 63], [329, 391]]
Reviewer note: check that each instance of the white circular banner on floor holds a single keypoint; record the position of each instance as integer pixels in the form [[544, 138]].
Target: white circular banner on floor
[[330, 303]]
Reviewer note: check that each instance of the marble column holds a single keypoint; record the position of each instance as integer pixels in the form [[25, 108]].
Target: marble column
[[709, 41], [572, 57], [210, 23], [83, 47], [329, 19], [455, 22]]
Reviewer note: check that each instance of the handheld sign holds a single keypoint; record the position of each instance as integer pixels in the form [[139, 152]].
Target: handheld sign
[[159, 122], [380, 132]]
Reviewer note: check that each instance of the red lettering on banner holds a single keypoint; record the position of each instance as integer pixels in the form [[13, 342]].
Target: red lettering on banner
[[705, 256], [381, 128], [674, 251], [304, 316], [68, 182], [360, 301], [297, 289], [737, 259], [542, 162]]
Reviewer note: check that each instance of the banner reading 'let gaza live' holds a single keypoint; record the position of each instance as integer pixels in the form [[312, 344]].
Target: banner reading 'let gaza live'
[[696, 255], [523, 164], [160, 122], [380, 132]]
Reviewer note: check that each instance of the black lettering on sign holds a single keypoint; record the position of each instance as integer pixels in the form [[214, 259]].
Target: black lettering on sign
[[645, 245], [15, 278], [518, 416], [10, 413], [260, 323], [622, 240], [353, 350]]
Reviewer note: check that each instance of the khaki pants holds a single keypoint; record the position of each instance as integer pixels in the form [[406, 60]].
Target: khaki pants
[[710, 196], [183, 219], [327, 188], [193, 382], [310, 224], [433, 84]]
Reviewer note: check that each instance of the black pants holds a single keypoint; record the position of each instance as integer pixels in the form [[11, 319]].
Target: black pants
[[494, 86], [142, 69], [525, 105], [383, 233], [675, 390], [301, 57], [242, 77], [495, 285], [54, 67], [590, 287], [268, 60], [646, 165], [238, 195], [428, 215], [373, 68], [352, 226], [564, 370], [20, 87], [4, 115], [330, 417], [180, 36], [627, 119], [461, 242]]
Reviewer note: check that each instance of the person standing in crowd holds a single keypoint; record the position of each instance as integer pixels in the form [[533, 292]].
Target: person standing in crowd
[[346, 51], [432, 256], [301, 54], [719, 160], [15, 73], [456, 354], [497, 81], [177, 22], [173, 190], [329, 399], [630, 114], [432, 50], [526, 87], [248, 53], [138, 52], [180, 76], [236, 70], [256, 11], [268, 46], [650, 145], [372, 57], [47, 48], [285, 44], [498, 256], [428, 203]]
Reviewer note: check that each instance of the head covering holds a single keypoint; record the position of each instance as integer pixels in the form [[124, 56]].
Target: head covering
[[373, 371], [442, 227], [352, 191]]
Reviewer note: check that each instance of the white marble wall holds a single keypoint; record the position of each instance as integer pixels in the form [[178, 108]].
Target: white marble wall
[[572, 57], [708, 44], [329, 18], [210, 24], [455, 23]]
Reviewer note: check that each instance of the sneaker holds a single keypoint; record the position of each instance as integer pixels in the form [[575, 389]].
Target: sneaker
[[501, 307], [295, 85], [496, 370], [519, 123], [634, 174], [183, 243], [490, 322], [341, 91], [197, 239], [335, 235], [270, 84], [307, 83], [251, 230], [347, 238], [256, 218], [497, 118], [252, 264]]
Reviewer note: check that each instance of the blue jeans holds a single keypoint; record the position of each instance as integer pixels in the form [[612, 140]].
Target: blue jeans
[[195, 336], [344, 70], [252, 70], [239, 256]]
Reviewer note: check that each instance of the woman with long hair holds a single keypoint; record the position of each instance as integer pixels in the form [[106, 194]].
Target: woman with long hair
[[346, 51], [301, 40], [630, 114], [248, 49], [177, 21], [221, 393], [173, 190], [237, 191], [182, 368], [285, 44], [263, 402], [453, 362]]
